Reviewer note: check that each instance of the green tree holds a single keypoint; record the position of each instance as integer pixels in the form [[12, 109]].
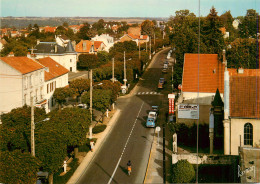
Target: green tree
[[20, 50], [109, 85], [17, 167], [84, 31], [212, 36], [101, 99], [60, 30], [88, 61], [120, 47], [15, 129], [80, 85], [183, 172], [60, 95], [103, 57], [248, 26], [73, 123], [65, 24], [147, 27], [50, 147]]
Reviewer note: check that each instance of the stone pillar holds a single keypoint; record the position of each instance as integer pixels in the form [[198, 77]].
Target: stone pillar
[[226, 125]]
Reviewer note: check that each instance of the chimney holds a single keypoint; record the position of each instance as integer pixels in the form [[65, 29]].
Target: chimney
[[240, 70], [74, 44], [224, 59], [55, 48], [84, 45]]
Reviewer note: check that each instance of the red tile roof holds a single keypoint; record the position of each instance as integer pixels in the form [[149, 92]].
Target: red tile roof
[[49, 29], [55, 69], [210, 73], [79, 46], [22, 64], [246, 72], [97, 45], [245, 96]]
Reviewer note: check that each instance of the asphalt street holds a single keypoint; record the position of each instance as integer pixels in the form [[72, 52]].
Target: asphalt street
[[129, 139]]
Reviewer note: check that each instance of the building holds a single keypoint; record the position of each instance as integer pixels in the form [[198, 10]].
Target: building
[[21, 79], [138, 39], [89, 47], [2, 43], [65, 56], [224, 32], [242, 110], [236, 23], [55, 76], [202, 75], [106, 39], [62, 40]]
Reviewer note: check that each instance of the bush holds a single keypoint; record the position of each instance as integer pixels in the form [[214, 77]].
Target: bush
[[98, 129], [183, 172]]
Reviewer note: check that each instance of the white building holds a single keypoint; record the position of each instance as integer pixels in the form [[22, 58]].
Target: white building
[[55, 76], [106, 39], [21, 78], [62, 40], [236, 23], [65, 56]]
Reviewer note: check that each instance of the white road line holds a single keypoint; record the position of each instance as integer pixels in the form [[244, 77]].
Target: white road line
[[147, 92], [151, 93], [143, 93], [125, 146], [139, 93], [155, 93]]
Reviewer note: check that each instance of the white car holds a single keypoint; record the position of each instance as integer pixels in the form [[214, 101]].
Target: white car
[[152, 114]]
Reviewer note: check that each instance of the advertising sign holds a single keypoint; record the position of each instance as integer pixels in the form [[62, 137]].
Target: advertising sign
[[171, 103], [188, 111]]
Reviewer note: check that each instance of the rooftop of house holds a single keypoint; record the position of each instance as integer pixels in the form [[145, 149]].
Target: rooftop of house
[[244, 96], [55, 69], [202, 73], [49, 48], [89, 45], [22, 64]]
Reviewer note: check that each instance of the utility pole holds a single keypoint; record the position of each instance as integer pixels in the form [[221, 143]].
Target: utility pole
[[32, 129], [172, 79], [154, 39], [150, 56], [139, 51], [146, 46], [90, 105], [113, 70], [124, 71]]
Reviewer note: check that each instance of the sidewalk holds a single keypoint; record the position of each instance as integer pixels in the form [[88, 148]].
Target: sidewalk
[[90, 155], [154, 172]]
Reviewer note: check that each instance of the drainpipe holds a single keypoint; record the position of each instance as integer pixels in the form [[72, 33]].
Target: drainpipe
[[226, 121]]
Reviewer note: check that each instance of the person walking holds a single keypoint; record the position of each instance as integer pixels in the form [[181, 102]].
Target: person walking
[[92, 145]]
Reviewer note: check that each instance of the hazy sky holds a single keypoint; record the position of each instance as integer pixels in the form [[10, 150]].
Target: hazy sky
[[122, 8]]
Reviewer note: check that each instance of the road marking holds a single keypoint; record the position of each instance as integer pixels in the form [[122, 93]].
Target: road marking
[[125, 146], [147, 92], [151, 93], [143, 93]]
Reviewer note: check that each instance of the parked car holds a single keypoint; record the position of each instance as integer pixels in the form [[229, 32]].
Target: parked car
[[155, 109], [164, 70], [82, 106], [150, 122], [161, 83], [153, 115]]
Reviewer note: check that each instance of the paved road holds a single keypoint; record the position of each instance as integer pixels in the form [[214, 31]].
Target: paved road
[[129, 139]]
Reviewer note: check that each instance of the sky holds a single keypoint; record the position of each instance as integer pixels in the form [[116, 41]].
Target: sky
[[121, 8]]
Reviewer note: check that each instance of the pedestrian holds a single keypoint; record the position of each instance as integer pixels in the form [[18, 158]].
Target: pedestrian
[[92, 145]]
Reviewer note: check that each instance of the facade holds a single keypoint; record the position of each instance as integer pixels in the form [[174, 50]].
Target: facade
[[106, 39], [65, 56], [202, 75], [242, 114], [55, 76], [21, 79], [62, 40], [138, 39], [2, 43]]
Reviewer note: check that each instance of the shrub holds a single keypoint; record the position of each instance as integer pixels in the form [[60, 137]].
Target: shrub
[[183, 172], [98, 129]]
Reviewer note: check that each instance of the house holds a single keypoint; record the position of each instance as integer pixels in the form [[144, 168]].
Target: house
[[49, 29], [138, 39], [224, 32], [76, 28], [236, 23], [2, 43], [62, 40], [202, 75], [15, 34], [55, 76], [106, 39], [21, 79], [136, 31], [89, 47], [65, 56], [242, 110]]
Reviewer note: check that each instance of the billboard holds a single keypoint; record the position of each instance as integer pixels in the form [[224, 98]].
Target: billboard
[[188, 111], [171, 103]]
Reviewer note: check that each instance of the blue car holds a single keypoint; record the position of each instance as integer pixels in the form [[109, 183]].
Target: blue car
[[150, 122]]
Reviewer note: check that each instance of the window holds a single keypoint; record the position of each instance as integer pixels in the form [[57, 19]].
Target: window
[[41, 93], [70, 60], [47, 88], [25, 82], [25, 99], [248, 134]]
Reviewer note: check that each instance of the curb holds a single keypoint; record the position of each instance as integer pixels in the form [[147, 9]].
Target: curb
[[91, 155], [149, 159]]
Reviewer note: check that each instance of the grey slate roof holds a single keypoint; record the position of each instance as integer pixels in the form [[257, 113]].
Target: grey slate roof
[[49, 48]]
